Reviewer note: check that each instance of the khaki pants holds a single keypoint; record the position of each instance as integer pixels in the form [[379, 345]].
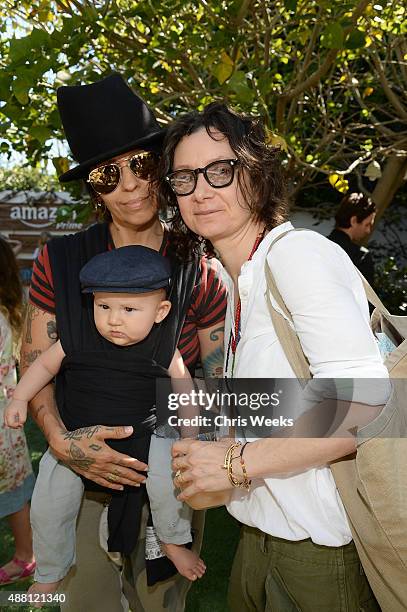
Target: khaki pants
[[96, 584], [274, 575]]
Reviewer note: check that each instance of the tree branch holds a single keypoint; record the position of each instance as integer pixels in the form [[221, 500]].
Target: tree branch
[[212, 13], [401, 53], [267, 36], [63, 6], [242, 12], [316, 76], [280, 112], [310, 49], [377, 124], [390, 95], [191, 71]]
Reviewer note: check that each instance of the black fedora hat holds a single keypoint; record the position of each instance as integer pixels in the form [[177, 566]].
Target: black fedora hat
[[105, 119]]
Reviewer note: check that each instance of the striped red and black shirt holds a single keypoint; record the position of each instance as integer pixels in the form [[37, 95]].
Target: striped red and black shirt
[[207, 308]]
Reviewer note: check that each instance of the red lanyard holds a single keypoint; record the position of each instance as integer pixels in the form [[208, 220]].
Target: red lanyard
[[234, 338], [238, 311]]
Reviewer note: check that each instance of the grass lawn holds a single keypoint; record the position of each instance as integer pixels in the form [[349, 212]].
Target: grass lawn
[[206, 595]]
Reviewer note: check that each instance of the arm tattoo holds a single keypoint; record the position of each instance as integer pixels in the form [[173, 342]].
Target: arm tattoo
[[52, 330], [83, 432], [213, 364], [36, 411], [214, 334], [78, 458], [29, 358], [32, 312]]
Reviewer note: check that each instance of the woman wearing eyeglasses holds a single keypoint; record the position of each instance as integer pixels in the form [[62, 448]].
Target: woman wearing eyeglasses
[[116, 141], [226, 187]]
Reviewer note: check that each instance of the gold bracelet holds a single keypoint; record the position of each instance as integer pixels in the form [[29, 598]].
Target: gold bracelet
[[247, 480], [228, 465]]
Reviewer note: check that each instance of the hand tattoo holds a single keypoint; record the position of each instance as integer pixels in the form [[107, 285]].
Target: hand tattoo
[[79, 458], [95, 447], [82, 432]]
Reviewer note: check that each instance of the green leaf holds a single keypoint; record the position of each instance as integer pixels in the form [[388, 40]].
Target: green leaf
[[70, 24], [19, 49], [291, 5], [332, 36], [40, 133], [265, 83], [223, 70], [91, 13], [5, 87], [238, 85], [54, 119], [20, 87], [39, 68], [61, 164], [355, 40], [12, 111], [38, 38]]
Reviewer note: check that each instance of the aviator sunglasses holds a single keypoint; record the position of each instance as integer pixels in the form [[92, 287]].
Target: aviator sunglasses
[[105, 179], [218, 174]]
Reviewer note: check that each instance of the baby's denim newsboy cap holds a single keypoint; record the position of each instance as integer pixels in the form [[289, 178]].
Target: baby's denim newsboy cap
[[129, 269]]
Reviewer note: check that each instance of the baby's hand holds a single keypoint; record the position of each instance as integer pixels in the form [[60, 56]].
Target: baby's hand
[[16, 414]]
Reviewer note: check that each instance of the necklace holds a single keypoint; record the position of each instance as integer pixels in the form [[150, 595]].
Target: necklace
[[235, 337]]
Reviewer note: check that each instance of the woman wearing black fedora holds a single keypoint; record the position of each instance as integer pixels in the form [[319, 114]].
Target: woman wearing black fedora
[[116, 140]]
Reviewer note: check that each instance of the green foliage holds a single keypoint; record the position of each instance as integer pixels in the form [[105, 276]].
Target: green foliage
[[305, 66], [391, 280], [22, 178], [332, 37]]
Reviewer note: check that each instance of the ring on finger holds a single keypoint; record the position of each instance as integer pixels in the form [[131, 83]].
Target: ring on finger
[[112, 477]]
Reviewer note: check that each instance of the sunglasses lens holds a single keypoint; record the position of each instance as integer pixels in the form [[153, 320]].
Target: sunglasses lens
[[105, 179], [143, 166]]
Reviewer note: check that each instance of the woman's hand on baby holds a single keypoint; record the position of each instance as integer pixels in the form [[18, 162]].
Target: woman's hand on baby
[[85, 451]]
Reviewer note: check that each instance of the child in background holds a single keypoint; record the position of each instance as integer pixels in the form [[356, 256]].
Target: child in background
[[16, 475]]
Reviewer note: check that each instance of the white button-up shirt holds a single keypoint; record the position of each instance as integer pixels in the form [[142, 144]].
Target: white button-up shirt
[[325, 296]]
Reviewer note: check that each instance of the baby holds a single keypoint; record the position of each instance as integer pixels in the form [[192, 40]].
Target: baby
[[129, 287]]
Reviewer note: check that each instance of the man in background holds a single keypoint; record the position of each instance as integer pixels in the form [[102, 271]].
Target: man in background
[[353, 223]]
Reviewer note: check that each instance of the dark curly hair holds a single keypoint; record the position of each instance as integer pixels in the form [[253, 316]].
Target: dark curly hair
[[11, 293], [262, 185]]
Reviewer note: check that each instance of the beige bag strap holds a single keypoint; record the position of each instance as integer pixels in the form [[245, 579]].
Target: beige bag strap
[[285, 333], [372, 296]]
